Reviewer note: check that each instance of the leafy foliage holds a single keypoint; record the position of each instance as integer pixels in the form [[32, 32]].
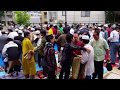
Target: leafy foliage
[[22, 17]]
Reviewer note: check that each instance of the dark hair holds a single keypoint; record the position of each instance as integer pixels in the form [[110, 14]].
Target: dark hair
[[116, 28], [55, 26], [10, 30], [51, 25], [69, 38], [60, 25], [85, 41], [65, 29], [9, 39], [43, 32], [49, 37], [3, 32], [26, 34], [109, 25], [97, 31]]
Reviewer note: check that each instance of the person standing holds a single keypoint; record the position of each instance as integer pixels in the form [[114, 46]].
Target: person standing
[[100, 45], [40, 49], [67, 56], [87, 59], [76, 60], [28, 64], [114, 43], [50, 31]]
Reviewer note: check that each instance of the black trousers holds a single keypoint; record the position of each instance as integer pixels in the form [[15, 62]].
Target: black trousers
[[65, 70], [51, 74], [39, 60], [98, 69]]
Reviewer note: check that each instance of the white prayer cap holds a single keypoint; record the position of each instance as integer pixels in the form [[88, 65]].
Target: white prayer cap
[[37, 32], [32, 29], [16, 29], [20, 31], [86, 37]]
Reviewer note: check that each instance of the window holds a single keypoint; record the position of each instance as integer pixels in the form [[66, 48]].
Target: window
[[45, 14], [85, 13], [63, 13], [52, 16]]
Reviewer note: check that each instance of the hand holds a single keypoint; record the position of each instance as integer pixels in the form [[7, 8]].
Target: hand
[[35, 48]]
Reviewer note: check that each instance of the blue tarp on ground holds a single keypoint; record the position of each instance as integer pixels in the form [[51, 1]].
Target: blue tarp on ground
[[1, 62]]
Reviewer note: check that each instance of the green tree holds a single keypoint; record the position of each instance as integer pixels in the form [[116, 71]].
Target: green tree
[[22, 17], [1, 14], [109, 17], [112, 16]]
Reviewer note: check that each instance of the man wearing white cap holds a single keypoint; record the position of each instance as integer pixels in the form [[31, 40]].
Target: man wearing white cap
[[19, 37], [12, 34], [12, 57], [87, 60]]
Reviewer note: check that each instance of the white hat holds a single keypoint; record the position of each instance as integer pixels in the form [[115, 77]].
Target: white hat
[[32, 29], [21, 28], [106, 25], [37, 32], [16, 29], [20, 31], [12, 35], [99, 28], [29, 27], [86, 37]]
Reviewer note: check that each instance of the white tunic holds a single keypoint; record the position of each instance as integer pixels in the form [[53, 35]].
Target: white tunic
[[88, 58]]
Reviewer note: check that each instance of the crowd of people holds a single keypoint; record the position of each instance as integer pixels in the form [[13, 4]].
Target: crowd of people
[[84, 48]]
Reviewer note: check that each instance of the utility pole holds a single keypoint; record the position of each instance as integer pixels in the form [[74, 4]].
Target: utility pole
[[41, 19], [5, 20], [65, 19]]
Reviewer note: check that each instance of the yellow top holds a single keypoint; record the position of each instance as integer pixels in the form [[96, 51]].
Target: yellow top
[[50, 31], [28, 65]]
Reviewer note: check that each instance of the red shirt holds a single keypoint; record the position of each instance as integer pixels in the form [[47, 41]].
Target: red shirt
[[109, 30], [78, 43], [54, 31]]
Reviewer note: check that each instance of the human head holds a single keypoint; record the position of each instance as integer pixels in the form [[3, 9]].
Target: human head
[[117, 28], [96, 34], [75, 37], [51, 26], [27, 34], [90, 28], [20, 32], [69, 38], [10, 30], [60, 25], [65, 29], [109, 25], [55, 26], [50, 38], [43, 33], [85, 39]]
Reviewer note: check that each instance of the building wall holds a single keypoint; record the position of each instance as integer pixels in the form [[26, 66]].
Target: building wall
[[43, 16], [75, 17], [9, 16], [35, 17]]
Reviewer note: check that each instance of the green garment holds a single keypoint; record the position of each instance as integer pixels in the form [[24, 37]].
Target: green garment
[[100, 47]]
